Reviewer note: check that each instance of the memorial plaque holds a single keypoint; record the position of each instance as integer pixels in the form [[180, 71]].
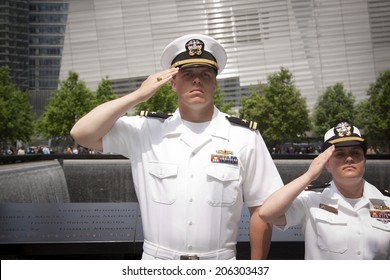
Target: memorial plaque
[[69, 222], [91, 222], [292, 234]]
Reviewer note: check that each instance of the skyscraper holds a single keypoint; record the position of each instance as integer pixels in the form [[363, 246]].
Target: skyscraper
[[14, 40], [32, 37], [47, 25]]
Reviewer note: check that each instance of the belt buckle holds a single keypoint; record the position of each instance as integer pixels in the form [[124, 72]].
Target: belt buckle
[[189, 257]]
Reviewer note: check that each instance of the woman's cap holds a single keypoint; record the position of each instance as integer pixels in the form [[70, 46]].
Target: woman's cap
[[344, 135]]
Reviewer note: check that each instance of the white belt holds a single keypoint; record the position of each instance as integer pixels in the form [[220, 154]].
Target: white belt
[[168, 254]]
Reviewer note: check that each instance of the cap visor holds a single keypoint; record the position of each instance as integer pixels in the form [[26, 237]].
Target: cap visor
[[194, 65], [348, 144], [345, 144]]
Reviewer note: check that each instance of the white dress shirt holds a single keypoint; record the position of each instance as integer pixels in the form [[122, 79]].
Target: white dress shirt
[[335, 229], [191, 199]]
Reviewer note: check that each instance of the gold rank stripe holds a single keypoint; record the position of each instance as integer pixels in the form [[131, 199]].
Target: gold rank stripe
[[242, 122], [253, 125]]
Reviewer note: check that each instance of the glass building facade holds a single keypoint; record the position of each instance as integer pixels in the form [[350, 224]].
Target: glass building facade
[[32, 36], [14, 40], [47, 25], [322, 42]]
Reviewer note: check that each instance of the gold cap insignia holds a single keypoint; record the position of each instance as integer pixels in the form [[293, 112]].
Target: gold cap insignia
[[194, 47], [343, 129]]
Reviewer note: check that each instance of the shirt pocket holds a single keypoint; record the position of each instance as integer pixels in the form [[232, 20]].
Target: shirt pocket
[[332, 231], [222, 184], [383, 226], [163, 182], [380, 238]]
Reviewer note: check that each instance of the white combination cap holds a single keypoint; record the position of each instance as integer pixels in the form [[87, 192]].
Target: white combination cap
[[344, 135], [194, 50]]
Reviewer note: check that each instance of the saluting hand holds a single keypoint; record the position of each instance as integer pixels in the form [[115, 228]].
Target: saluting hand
[[153, 83], [318, 164]]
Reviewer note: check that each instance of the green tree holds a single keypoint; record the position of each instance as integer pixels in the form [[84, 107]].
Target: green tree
[[373, 114], [68, 104], [250, 105], [16, 116], [104, 92], [278, 108], [333, 106], [165, 100], [221, 104]]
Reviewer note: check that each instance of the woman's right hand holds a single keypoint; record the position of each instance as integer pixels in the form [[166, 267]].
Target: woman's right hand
[[319, 163]]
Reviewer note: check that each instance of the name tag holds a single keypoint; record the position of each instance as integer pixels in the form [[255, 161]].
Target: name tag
[[329, 208]]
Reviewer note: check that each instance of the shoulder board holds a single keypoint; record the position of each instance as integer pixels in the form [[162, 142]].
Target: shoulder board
[[155, 114], [385, 192], [249, 124], [319, 188]]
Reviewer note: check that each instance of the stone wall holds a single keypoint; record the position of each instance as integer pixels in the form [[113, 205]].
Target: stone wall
[[38, 182], [87, 183], [110, 180]]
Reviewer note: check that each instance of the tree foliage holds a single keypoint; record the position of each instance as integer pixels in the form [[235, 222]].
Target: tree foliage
[[104, 92], [333, 106], [373, 114], [165, 100], [250, 109], [278, 108], [16, 116], [221, 104], [68, 104]]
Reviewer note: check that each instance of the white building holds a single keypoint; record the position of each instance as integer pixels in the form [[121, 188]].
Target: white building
[[322, 42]]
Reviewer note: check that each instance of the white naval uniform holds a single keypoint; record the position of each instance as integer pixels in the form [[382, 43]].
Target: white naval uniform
[[189, 204], [350, 233]]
